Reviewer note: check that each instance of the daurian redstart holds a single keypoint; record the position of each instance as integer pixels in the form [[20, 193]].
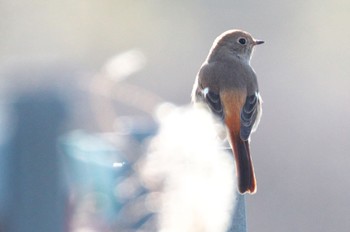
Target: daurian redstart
[[228, 85]]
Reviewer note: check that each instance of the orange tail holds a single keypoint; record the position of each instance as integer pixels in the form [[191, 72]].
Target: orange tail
[[244, 166]]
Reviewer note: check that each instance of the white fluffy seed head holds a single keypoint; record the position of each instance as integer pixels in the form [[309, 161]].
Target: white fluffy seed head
[[197, 175]]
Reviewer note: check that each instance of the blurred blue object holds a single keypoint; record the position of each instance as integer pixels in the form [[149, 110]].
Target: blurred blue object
[[36, 201], [90, 170], [136, 128], [97, 166]]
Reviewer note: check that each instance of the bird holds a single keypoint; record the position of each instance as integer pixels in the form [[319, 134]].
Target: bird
[[227, 84]]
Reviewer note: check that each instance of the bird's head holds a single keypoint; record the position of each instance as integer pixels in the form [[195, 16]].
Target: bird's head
[[234, 43]]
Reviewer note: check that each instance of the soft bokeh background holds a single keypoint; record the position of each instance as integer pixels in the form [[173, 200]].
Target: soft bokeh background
[[301, 149]]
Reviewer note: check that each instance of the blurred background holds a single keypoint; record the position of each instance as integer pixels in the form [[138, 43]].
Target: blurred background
[[85, 76]]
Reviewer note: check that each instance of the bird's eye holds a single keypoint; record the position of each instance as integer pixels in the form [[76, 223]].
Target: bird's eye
[[242, 41]]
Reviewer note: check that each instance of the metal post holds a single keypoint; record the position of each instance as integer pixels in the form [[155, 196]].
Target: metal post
[[239, 222], [239, 218]]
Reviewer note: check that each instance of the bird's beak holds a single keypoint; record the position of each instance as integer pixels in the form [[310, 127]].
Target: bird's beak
[[257, 42]]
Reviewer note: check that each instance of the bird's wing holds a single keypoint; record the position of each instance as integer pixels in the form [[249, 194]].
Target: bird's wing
[[213, 101], [249, 115]]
